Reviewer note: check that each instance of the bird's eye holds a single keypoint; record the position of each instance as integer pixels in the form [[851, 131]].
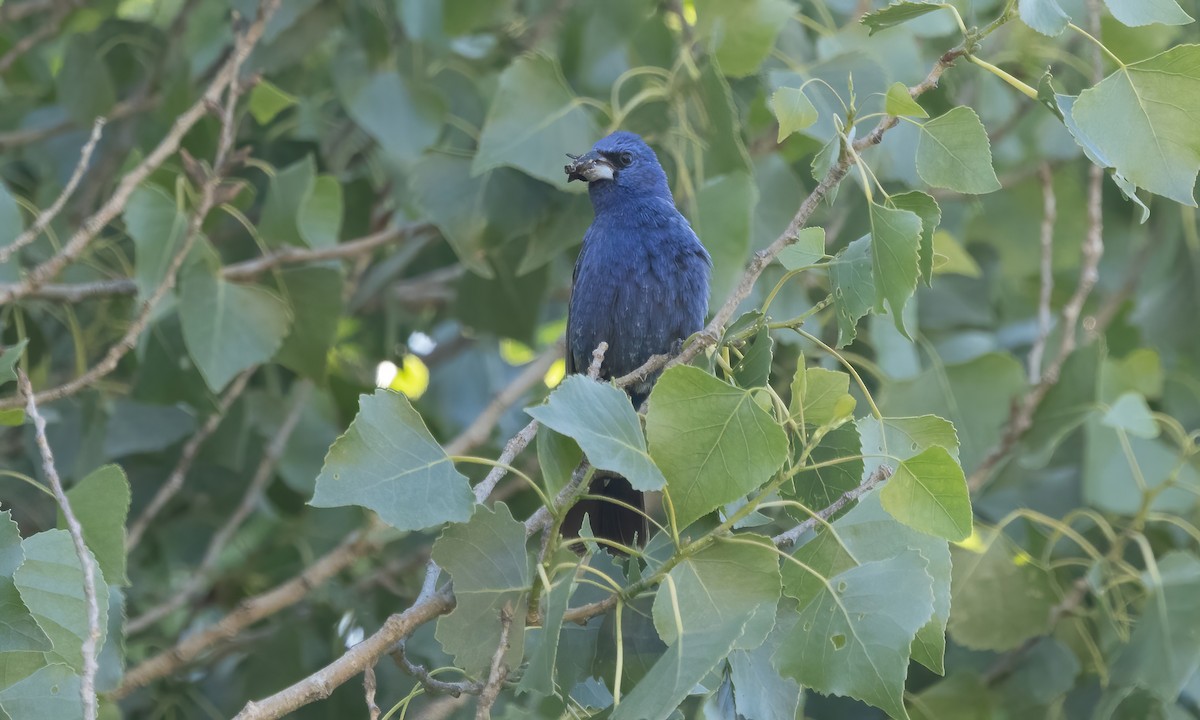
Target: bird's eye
[[625, 158]]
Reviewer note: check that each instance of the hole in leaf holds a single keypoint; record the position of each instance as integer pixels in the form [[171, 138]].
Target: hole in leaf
[[842, 586], [839, 641], [807, 626], [914, 447]]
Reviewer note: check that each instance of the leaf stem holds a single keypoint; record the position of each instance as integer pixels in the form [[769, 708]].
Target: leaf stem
[[1021, 87], [1097, 42]]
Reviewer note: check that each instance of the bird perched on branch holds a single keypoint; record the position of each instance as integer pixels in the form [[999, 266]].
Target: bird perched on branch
[[640, 285]]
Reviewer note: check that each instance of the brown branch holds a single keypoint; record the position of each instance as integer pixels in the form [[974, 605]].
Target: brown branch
[[200, 577], [251, 610], [121, 110], [14, 11], [789, 538], [1049, 216], [187, 456], [91, 641], [499, 671], [43, 32], [116, 203], [47, 216], [1092, 250], [430, 683], [241, 271], [373, 710]]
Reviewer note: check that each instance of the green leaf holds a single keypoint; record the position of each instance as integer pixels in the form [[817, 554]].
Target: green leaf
[[954, 153], [825, 556], [153, 220], [742, 33], [51, 692], [820, 488], [899, 102], [727, 583], [402, 117], [84, 84], [927, 209], [267, 101], [533, 120], [11, 555], [388, 462], [759, 690], [1131, 414], [464, 16], [754, 369], [890, 440], [50, 582], [558, 456], [808, 249], [853, 287], [539, 675], [287, 193], [853, 638], [320, 216], [228, 327], [724, 598], [896, 14], [712, 442], [446, 192], [929, 493], [8, 361], [1000, 598], [1164, 649], [952, 258], [19, 632], [16, 666], [601, 419], [895, 250], [1045, 16], [486, 559], [1141, 119], [962, 696], [1116, 471], [12, 224], [314, 294], [1136, 13], [824, 398], [101, 502], [870, 533], [725, 223], [793, 110], [726, 152]]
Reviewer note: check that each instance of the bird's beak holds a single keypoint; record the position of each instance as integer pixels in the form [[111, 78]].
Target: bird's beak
[[589, 168]]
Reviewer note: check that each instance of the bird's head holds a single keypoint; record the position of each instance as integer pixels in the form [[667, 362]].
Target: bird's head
[[620, 161]]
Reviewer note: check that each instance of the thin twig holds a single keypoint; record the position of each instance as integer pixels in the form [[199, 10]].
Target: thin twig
[[123, 109], [14, 11], [373, 710], [499, 671], [187, 456], [240, 271], [789, 538], [1089, 264], [430, 683], [47, 216], [1049, 215], [43, 32], [251, 610], [116, 203], [91, 641], [481, 427], [200, 577]]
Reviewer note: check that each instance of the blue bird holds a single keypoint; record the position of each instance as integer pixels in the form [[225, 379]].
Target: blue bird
[[640, 285]]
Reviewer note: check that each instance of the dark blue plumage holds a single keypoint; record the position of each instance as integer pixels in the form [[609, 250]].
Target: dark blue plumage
[[640, 285]]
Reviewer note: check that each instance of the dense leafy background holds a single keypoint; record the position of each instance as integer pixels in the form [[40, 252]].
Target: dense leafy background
[[399, 166]]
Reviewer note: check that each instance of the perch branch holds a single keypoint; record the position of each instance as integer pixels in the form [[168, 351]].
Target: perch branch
[[91, 641]]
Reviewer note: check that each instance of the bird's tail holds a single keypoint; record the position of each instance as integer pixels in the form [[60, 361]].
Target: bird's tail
[[609, 520]]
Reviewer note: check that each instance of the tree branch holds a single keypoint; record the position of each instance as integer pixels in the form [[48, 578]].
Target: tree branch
[[91, 641], [789, 538], [263, 475], [1049, 215], [187, 456], [47, 216], [430, 683], [166, 148], [44, 31], [499, 671]]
